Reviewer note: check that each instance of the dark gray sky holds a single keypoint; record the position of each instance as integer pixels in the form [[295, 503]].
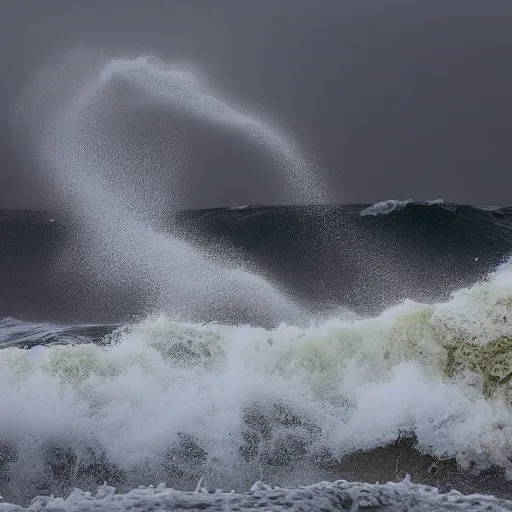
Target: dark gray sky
[[398, 98]]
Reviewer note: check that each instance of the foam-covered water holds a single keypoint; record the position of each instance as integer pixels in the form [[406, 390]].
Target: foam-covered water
[[339, 495], [172, 401]]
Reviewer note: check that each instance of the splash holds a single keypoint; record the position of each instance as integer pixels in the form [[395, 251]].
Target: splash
[[77, 115], [172, 401]]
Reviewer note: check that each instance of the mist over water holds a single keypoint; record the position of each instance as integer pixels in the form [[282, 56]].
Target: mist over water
[[81, 119]]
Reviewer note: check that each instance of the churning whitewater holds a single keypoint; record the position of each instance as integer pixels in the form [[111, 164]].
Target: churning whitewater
[[232, 380], [167, 401]]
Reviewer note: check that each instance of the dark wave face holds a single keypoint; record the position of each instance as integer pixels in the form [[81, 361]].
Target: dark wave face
[[399, 363], [324, 257]]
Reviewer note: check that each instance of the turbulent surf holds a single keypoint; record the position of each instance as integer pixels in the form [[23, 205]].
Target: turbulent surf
[[287, 344]]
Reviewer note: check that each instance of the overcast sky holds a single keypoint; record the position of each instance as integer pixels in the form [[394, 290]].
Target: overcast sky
[[399, 98]]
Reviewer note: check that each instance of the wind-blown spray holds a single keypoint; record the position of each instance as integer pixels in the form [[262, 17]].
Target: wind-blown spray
[[77, 114]]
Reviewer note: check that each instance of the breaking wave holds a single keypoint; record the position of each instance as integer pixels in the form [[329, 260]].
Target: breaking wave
[[170, 401], [385, 207]]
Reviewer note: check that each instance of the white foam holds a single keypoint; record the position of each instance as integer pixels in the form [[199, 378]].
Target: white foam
[[386, 207], [354, 385], [339, 495]]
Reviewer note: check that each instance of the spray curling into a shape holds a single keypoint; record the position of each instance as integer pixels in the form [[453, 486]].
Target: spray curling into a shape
[[80, 109]]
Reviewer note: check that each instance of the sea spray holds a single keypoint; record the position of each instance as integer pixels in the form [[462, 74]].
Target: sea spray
[[78, 135]]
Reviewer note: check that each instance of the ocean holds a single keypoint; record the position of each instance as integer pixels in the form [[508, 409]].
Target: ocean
[[303, 356], [363, 392]]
